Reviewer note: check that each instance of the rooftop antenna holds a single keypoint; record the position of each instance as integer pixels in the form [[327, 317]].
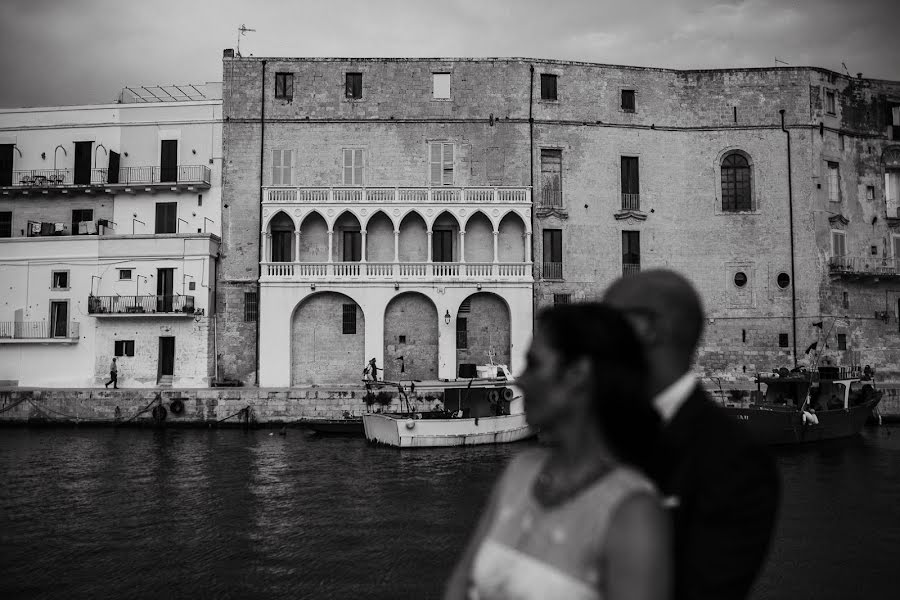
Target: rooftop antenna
[[242, 30], [777, 60], [846, 70]]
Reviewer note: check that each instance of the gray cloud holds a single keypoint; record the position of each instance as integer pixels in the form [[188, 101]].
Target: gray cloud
[[57, 52]]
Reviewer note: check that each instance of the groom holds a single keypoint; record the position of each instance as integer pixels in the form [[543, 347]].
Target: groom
[[722, 488]]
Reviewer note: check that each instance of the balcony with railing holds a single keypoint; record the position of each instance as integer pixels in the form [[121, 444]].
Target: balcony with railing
[[141, 306], [631, 268], [184, 177], [552, 270], [396, 195], [866, 267], [24, 332], [314, 272], [631, 201]]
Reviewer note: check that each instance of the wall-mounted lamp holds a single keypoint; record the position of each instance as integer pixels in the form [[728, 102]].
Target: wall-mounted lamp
[[447, 318], [312, 286], [396, 285], [478, 286], [193, 152], [43, 156]]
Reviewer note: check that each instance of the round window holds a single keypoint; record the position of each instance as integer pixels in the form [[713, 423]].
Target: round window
[[740, 279], [783, 280]]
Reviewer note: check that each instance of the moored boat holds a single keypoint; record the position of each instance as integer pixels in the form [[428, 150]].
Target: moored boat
[[485, 411], [347, 425], [807, 406]]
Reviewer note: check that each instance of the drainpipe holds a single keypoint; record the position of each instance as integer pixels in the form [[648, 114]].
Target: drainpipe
[[791, 222], [262, 147], [531, 169]]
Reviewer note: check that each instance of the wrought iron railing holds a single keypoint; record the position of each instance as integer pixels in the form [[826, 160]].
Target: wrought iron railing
[[39, 330], [552, 270], [48, 178], [631, 268], [631, 201], [123, 305], [867, 265]]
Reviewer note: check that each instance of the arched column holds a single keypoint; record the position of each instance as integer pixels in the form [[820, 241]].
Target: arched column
[[430, 235], [496, 238], [297, 245], [396, 245], [462, 246], [330, 243], [362, 235], [528, 246], [267, 243]]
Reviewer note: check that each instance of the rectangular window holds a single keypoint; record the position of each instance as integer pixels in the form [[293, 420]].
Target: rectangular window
[[783, 340], [59, 319], [551, 178], [829, 102], [166, 217], [352, 246], [834, 190], [462, 332], [353, 166], [284, 86], [442, 245], [628, 102], [896, 240], [124, 347], [348, 325], [548, 86], [892, 192], [838, 247], [631, 252], [250, 306], [60, 280], [630, 183], [124, 274], [842, 341], [552, 254], [870, 192], [440, 86], [282, 167], [441, 162], [5, 224], [82, 221], [353, 86], [845, 299], [559, 299]]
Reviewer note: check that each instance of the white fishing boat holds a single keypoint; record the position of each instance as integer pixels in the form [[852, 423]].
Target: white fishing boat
[[484, 410]]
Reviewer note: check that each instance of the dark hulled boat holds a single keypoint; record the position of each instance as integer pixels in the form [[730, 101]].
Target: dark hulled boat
[[808, 406]]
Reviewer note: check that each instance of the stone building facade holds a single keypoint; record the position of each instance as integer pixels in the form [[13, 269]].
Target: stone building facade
[[108, 243], [442, 201]]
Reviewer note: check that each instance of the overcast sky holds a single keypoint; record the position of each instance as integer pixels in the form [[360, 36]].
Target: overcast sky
[[58, 52]]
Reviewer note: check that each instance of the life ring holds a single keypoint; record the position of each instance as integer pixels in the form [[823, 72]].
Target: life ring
[[410, 424], [508, 394], [493, 396], [159, 413], [176, 406]]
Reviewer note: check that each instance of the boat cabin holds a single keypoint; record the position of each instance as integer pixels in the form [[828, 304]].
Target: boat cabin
[[829, 388]]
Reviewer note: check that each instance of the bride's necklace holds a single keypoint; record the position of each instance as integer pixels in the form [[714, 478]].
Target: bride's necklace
[[553, 486]]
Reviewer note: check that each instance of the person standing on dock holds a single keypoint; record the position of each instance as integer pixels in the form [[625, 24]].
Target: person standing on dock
[[722, 488], [113, 375]]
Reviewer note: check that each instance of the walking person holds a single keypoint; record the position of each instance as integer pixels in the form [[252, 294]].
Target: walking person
[[722, 488], [580, 519], [373, 368], [113, 375]]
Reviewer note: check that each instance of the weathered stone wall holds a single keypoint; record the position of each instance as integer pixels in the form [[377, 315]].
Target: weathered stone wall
[[321, 352], [488, 331], [410, 331]]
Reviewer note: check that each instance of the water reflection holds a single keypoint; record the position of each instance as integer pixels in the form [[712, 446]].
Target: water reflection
[[205, 513]]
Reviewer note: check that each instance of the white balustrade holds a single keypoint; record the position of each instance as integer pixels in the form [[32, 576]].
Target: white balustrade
[[478, 269], [387, 271]]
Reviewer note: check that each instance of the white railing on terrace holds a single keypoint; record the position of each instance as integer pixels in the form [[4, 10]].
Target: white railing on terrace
[[39, 330], [381, 271], [867, 265], [631, 201], [397, 195]]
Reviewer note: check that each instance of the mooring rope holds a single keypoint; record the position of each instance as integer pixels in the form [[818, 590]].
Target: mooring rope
[[246, 410], [12, 406]]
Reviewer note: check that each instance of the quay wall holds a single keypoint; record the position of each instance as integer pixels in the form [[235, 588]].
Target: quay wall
[[202, 407]]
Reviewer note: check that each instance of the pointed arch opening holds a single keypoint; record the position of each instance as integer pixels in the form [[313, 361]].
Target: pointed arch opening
[[380, 238], [511, 239], [413, 238], [313, 239], [347, 239], [281, 232], [479, 247], [445, 238]]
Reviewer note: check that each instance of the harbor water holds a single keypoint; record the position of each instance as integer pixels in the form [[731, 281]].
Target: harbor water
[[181, 513]]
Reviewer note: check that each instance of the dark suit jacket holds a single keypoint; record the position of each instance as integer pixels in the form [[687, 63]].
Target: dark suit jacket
[[727, 491]]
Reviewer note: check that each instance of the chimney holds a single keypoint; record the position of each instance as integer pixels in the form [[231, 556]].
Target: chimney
[[228, 53]]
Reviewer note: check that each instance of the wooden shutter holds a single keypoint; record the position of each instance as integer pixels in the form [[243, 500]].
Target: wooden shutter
[[6, 164], [837, 243], [168, 161], [630, 176], [83, 163], [447, 153], [435, 163], [112, 172]]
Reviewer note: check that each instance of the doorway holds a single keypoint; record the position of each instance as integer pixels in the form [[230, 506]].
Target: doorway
[[83, 163], [59, 319], [165, 282], [168, 161], [6, 164], [166, 356]]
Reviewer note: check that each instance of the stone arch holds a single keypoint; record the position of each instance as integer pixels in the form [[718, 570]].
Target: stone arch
[[267, 221], [511, 239], [413, 238], [380, 238], [483, 330], [347, 241], [327, 340], [411, 332], [313, 238], [445, 237], [479, 238], [281, 238]]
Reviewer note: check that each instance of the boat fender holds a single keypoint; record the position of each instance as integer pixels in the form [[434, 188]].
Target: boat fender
[[493, 396], [508, 394], [410, 424], [159, 413], [176, 406], [476, 421]]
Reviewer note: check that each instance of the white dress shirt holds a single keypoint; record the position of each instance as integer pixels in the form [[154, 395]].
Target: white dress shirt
[[668, 401]]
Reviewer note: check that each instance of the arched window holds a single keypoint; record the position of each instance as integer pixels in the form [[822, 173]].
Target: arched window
[[736, 185], [282, 229]]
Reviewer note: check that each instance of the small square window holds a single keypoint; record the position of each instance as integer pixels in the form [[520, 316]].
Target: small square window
[[192, 285], [348, 325], [462, 332], [829, 101], [284, 86], [353, 86], [124, 274], [402, 339], [559, 299], [873, 250], [548, 86], [628, 101], [60, 280], [782, 340], [842, 341], [845, 299], [199, 199], [440, 89], [870, 192], [124, 347], [250, 306]]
